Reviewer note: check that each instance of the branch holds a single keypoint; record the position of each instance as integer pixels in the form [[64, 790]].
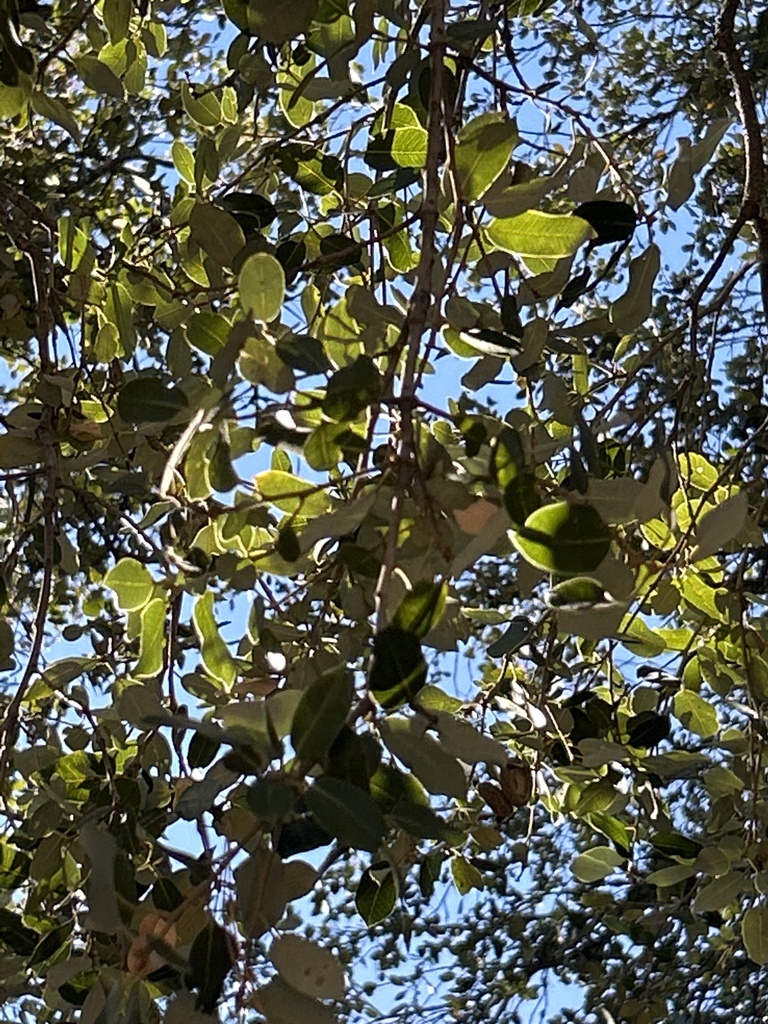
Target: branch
[[753, 202], [421, 300]]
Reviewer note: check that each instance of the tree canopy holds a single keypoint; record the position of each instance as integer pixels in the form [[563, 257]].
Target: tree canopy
[[385, 492]]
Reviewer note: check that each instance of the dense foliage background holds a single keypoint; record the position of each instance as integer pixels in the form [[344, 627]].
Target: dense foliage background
[[383, 461]]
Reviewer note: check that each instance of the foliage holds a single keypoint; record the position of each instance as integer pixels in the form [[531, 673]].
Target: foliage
[[345, 338]]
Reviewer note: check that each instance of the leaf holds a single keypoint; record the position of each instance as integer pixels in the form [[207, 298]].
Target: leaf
[[465, 875], [544, 235], [97, 76], [398, 669], [515, 636], [409, 146], [611, 221], [690, 160], [151, 639], [320, 715], [596, 864], [581, 590], [208, 331], [100, 848], [304, 353], [718, 526], [346, 812], [270, 799], [183, 160], [273, 24], [54, 110], [352, 389], [214, 653], [132, 583], [482, 151], [149, 400], [634, 307], [280, 1003], [563, 538], [461, 739], [307, 967], [516, 783], [16, 451], [433, 767], [754, 932], [376, 894], [719, 893], [15, 935], [290, 493], [696, 714], [210, 961], [421, 609], [647, 729], [217, 233], [261, 284], [204, 110]]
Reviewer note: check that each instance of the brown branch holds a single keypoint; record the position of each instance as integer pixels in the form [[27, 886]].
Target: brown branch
[[9, 727], [753, 202], [421, 300]]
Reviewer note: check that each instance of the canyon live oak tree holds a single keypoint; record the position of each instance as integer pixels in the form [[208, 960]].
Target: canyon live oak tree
[[384, 498]]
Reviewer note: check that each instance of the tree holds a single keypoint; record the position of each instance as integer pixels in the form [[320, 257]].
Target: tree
[[349, 343]]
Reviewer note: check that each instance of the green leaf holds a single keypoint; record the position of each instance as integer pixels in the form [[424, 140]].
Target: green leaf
[[183, 160], [596, 864], [611, 221], [271, 800], [132, 583], [461, 739], [149, 400], [216, 232], [151, 639], [274, 24], [54, 110], [465, 875], [15, 935], [421, 609], [581, 590], [634, 307], [100, 848], [208, 331], [543, 235], [304, 353], [217, 661], [261, 284], [376, 894], [696, 714], [754, 932], [97, 76], [566, 539], [719, 893], [321, 713], [409, 146], [291, 494], [482, 151], [117, 18], [647, 729], [346, 812], [398, 669], [210, 961], [438, 772], [352, 389], [204, 110], [719, 525], [640, 639]]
